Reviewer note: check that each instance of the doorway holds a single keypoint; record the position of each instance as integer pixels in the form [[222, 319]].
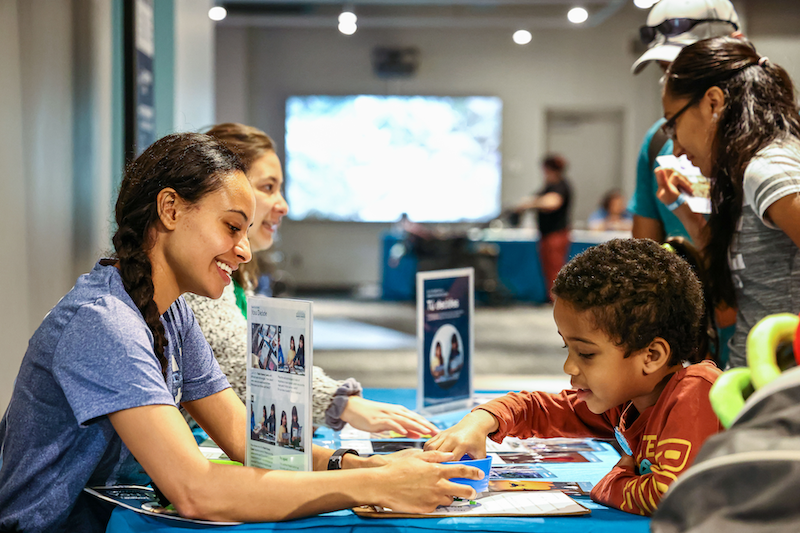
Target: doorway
[[591, 142]]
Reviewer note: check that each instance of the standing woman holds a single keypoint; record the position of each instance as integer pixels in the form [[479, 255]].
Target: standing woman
[[552, 205], [95, 401], [283, 437], [224, 321], [734, 114]]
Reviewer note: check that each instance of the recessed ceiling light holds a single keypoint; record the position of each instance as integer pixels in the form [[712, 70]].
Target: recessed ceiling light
[[577, 15], [217, 13], [347, 29], [645, 4], [522, 36], [347, 17]]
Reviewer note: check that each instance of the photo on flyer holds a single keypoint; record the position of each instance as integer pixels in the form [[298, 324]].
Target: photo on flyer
[[445, 309], [279, 389]]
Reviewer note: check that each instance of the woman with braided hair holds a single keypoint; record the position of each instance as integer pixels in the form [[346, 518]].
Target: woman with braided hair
[[224, 320], [95, 401], [733, 113]]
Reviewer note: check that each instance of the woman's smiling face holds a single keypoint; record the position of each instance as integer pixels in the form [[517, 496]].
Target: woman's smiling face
[[209, 240], [266, 177]]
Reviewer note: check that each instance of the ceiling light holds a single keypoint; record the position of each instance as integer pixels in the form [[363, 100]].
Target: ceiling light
[[348, 18], [522, 37], [577, 15], [347, 21], [347, 29], [644, 4], [217, 13]]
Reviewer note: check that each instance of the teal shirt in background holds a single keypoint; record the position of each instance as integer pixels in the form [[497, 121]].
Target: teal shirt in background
[[644, 201]]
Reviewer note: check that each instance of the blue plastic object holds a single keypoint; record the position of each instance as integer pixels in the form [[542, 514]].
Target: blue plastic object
[[485, 464]]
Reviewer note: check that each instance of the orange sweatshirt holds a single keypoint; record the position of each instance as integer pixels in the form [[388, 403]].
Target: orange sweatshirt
[[664, 438]]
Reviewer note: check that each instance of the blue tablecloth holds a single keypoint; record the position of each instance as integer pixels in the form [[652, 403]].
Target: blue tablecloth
[[602, 519]]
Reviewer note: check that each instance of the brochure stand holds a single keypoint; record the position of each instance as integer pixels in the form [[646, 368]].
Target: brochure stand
[[279, 364], [445, 309]]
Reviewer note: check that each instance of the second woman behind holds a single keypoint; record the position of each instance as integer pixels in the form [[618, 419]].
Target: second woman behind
[[224, 321]]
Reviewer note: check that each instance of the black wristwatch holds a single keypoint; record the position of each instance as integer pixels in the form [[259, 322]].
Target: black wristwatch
[[335, 460]]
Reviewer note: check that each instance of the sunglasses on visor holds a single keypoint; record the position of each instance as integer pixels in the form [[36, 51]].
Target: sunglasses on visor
[[673, 27]]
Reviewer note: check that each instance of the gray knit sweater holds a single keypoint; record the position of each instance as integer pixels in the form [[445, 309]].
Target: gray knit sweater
[[225, 329]]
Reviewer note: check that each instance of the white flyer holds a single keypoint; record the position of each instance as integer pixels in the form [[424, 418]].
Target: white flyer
[[279, 364]]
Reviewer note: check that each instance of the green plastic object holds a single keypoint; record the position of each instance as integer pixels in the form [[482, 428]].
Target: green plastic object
[[225, 462], [729, 393], [762, 346]]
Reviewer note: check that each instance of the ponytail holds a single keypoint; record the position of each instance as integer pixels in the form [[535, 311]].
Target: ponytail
[[760, 108]]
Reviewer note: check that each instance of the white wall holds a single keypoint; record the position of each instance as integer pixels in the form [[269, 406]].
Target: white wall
[[585, 69], [194, 65], [37, 158], [14, 322], [93, 168]]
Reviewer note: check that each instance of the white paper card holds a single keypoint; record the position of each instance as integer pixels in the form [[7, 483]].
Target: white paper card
[[279, 383]]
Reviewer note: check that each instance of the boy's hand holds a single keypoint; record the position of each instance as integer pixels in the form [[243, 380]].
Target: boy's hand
[[466, 437]]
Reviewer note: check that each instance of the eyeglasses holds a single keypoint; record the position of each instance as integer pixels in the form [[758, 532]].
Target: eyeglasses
[[669, 126], [673, 27]]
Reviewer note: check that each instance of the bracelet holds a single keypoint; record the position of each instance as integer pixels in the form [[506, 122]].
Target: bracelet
[[335, 460], [333, 414], [679, 201]]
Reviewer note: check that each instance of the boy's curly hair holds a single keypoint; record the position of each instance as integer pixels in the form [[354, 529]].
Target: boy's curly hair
[[637, 291]]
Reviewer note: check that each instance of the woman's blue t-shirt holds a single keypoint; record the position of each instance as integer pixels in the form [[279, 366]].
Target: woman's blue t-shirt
[[92, 355]]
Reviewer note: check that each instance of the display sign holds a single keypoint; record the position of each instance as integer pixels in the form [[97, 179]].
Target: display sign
[[445, 309], [140, 114], [279, 383]]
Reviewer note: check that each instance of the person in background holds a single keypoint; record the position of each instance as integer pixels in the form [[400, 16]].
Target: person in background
[[671, 25], [734, 114], [552, 205], [296, 431], [253, 434], [631, 317], [96, 398], [283, 434], [292, 353], [270, 426], [437, 365], [224, 321], [455, 360], [300, 357], [279, 351], [612, 214]]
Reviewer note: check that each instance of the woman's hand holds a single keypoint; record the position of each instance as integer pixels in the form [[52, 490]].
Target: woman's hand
[[671, 184], [367, 415], [467, 437], [417, 483]]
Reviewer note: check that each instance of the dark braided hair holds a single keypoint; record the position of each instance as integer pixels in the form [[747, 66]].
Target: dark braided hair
[[760, 108], [193, 165]]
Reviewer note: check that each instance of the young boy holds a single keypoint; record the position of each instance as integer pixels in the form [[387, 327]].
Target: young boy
[[630, 314]]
